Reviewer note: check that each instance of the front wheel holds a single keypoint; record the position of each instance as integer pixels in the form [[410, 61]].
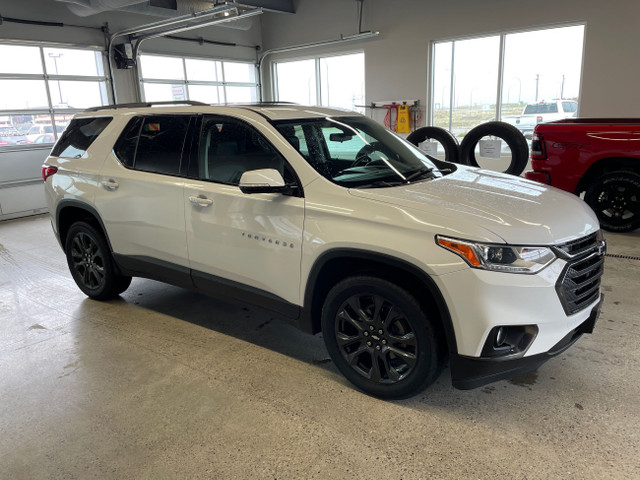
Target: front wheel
[[615, 198], [379, 337], [91, 264]]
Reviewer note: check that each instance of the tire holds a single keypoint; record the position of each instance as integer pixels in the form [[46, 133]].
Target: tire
[[91, 264], [445, 137], [397, 363], [615, 198], [510, 134]]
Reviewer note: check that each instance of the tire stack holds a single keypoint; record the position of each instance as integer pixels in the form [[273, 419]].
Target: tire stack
[[464, 153]]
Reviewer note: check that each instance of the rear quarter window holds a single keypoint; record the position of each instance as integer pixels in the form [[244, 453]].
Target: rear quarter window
[[78, 136]]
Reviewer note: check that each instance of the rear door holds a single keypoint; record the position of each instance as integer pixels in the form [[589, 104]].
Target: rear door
[[140, 197], [250, 241]]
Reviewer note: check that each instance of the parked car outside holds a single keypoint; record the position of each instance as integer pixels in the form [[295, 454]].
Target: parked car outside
[[40, 129], [540, 112], [46, 138], [9, 136]]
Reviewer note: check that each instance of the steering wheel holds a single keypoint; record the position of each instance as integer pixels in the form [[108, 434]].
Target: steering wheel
[[362, 157]]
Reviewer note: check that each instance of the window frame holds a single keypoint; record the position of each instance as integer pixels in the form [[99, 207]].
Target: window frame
[[502, 34], [223, 84], [47, 78], [318, 73], [194, 173]]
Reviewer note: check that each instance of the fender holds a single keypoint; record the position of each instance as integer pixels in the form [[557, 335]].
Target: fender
[[83, 206], [310, 320]]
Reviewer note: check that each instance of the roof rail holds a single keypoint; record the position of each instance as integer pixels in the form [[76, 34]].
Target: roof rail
[[146, 104]]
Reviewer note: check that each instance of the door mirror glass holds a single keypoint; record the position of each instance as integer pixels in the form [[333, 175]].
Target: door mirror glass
[[266, 180]]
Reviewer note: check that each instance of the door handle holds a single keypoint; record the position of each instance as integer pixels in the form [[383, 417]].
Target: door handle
[[200, 200], [110, 184]]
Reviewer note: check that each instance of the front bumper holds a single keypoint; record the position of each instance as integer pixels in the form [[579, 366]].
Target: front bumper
[[473, 372]]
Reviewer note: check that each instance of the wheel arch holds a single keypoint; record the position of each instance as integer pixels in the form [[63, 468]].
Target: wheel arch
[[605, 165], [336, 265], [70, 211]]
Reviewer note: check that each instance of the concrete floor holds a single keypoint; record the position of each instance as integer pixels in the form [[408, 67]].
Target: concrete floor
[[165, 383]]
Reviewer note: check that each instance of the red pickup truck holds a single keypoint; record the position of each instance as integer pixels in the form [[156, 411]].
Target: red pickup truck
[[599, 157]]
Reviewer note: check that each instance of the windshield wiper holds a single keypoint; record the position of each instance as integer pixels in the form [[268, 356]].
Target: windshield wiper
[[379, 184], [421, 172]]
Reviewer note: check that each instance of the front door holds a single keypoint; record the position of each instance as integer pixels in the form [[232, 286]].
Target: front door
[[250, 241]]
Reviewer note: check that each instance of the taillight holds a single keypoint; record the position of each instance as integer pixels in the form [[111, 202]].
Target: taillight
[[47, 171], [3, 142], [537, 147], [539, 119]]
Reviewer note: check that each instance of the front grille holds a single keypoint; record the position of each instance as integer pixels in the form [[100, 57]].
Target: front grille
[[583, 244], [579, 284]]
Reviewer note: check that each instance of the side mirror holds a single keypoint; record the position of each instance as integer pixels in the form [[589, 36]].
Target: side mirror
[[266, 180]]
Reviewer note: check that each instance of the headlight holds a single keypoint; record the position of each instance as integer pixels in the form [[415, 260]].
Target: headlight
[[499, 257]]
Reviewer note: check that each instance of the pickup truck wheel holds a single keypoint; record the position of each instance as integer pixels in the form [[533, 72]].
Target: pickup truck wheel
[[379, 337], [445, 137], [510, 134], [91, 264], [615, 198]]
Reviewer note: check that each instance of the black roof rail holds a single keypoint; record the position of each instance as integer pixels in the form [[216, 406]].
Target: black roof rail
[[147, 104]]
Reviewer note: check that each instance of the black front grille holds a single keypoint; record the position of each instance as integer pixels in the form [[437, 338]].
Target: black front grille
[[579, 284], [582, 244]]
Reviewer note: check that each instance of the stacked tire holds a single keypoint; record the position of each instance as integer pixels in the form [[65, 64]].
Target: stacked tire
[[464, 153]]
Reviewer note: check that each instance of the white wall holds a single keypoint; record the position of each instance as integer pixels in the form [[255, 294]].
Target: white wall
[[396, 61]]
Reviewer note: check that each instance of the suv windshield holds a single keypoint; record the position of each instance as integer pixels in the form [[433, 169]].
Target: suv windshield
[[357, 152]]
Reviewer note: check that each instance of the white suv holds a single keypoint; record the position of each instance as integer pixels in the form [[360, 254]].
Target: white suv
[[333, 222]]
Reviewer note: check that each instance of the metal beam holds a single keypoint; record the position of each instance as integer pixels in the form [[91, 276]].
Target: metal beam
[[279, 6]]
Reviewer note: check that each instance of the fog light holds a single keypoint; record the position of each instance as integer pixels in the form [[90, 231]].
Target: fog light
[[513, 340]]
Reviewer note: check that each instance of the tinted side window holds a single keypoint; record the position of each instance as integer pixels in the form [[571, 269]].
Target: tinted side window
[[125, 147], [160, 144], [228, 148], [78, 136], [569, 106]]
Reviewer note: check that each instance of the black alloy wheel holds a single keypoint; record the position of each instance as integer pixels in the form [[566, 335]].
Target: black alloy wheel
[[91, 264], [88, 261], [615, 198], [379, 337], [375, 338]]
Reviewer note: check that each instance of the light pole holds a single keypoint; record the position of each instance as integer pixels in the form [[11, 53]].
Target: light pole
[[471, 97], [55, 57], [519, 88], [537, 81]]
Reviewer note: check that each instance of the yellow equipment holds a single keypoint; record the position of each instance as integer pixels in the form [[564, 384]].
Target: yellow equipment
[[403, 119]]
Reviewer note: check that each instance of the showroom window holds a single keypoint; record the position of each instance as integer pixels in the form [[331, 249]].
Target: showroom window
[[469, 86], [42, 86], [335, 81], [165, 78]]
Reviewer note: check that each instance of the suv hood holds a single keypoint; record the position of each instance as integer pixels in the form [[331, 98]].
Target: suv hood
[[517, 210]]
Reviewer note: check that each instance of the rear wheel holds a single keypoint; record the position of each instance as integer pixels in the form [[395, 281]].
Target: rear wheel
[[379, 337], [91, 263], [615, 198]]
